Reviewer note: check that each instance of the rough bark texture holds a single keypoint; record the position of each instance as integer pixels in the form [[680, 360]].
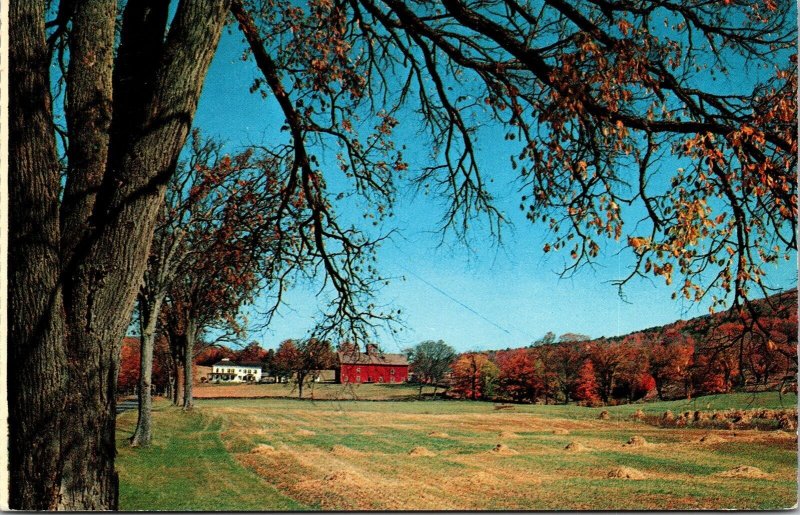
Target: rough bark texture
[[189, 342], [65, 350], [36, 325], [88, 115]]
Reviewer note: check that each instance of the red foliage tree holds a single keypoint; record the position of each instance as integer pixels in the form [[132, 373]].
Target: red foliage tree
[[670, 357], [210, 355], [586, 386], [128, 365], [518, 375], [252, 352], [608, 358], [473, 375]]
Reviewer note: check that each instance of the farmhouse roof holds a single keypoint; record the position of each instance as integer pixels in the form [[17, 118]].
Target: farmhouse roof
[[228, 362], [360, 358]]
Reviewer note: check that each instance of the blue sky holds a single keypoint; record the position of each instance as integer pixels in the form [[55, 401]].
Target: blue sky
[[484, 297]]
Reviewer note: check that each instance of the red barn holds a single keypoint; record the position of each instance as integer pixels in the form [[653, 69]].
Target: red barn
[[372, 367]]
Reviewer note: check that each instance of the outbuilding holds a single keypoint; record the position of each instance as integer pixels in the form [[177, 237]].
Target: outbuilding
[[371, 367]]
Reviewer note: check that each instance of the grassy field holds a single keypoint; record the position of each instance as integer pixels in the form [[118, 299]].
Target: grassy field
[[279, 454], [316, 391]]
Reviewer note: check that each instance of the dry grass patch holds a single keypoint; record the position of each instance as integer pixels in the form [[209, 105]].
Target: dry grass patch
[[508, 434], [438, 434], [636, 441], [503, 450], [711, 439], [304, 432], [343, 450], [743, 471], [576, 447], [262, 449], [421, 451], [626, 473]]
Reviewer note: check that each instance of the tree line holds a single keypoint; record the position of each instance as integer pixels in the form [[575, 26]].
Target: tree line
[[713, 354], [296, 361]]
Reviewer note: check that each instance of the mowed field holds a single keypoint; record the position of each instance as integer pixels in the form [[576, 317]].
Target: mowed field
[[280, 454], [315, 391]]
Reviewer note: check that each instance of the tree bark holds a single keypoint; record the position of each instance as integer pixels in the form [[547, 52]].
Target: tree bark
[[300, 380], [190, 338], [69, 312], [148, 311], [36, 330]]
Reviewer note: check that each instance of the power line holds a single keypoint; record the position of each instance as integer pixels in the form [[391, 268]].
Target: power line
[[463, 305]]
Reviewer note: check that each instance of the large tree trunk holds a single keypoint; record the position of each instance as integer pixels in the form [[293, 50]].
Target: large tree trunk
[[148, 312], [36, 330], [71, 294], [177, 384]]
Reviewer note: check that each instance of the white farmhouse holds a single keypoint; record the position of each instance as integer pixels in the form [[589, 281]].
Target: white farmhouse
[[236, 371]]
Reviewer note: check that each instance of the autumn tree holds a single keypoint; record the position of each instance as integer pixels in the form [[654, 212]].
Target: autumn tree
[[607, 358], [669, 359], [430, 361], [473, 375], [303, 359], [586, 386], [594, 93], [518, 375], [564, 362], [251, 352], [214, 247], [128, 377]]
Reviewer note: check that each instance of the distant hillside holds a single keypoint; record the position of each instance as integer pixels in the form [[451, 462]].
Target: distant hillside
[[751, 348]]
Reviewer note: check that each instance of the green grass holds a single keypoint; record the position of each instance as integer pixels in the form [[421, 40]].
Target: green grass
[[203, 460], [188, 469], [770, 400]]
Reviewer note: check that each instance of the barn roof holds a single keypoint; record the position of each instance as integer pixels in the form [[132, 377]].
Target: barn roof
[[361, 358]]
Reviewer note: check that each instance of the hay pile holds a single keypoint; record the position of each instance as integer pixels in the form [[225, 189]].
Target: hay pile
[[508, 434], [503, 450], [626, 473], [667, 416], [638, 415], [420, 451], [341, 450], [576, 447], [604, 415], [262, 449], [438, 434], [787, 422], [711, 438], [743, 471], [636, 441], [560, 431]]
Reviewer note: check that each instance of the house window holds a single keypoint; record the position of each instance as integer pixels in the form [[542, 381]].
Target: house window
[[380, 379], [358, 370], [358, 379], [391, 371]]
